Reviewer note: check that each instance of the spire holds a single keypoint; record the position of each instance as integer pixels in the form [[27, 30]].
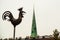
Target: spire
[[34, 29]]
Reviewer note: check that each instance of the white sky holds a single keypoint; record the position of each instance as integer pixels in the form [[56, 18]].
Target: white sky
[[47, 17]]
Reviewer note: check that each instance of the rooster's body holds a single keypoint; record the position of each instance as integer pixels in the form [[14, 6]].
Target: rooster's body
[[12, 19]]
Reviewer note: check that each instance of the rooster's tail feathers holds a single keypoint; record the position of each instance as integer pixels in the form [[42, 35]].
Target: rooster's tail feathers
[[6, 14]]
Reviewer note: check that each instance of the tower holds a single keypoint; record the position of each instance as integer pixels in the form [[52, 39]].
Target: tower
[[34, 29]]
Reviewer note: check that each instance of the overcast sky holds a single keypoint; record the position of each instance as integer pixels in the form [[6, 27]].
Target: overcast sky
[[47, 14]]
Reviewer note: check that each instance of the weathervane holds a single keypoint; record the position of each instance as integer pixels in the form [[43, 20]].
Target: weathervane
[[13, 21]]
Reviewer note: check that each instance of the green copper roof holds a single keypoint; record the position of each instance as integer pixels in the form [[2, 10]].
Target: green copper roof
[[34, 29]]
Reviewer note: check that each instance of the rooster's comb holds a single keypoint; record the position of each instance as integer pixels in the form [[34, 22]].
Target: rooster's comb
[[20, 9]]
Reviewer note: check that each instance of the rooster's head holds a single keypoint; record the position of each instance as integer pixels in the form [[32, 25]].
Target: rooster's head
[[21, 10]]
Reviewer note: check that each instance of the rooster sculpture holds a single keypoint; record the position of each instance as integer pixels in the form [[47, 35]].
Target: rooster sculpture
[[14, 21]]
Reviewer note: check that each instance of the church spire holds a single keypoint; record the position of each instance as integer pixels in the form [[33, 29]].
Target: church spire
[[34, 29]]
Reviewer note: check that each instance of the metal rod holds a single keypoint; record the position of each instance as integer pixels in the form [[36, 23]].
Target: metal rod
[[14, 33]]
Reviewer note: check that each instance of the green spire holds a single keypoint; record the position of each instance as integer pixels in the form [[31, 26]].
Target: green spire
[[34, 30]]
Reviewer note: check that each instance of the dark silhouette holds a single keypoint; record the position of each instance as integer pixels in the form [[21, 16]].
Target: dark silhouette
[[14, 21]]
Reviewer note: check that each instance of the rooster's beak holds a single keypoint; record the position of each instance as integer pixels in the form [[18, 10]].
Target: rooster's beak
[[24, 12]]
